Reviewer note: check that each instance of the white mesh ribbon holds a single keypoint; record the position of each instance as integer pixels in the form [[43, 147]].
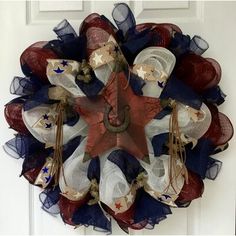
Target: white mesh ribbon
[[113, 186], [41, 122], [158, 179], [103, 72], [63, 73], [154, 65], [157, 182], [73, 181], [192, 123]]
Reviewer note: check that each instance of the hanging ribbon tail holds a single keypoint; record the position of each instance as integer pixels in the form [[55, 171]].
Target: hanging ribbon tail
[[58, 149]]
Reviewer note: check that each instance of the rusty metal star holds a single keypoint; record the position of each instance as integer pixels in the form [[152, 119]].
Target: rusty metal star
[[117, 118]]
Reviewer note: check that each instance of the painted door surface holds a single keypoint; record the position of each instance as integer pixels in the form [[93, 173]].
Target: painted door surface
[[23, 23]]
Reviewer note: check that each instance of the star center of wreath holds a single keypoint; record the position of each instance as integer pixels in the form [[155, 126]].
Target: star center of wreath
[[117, 118]]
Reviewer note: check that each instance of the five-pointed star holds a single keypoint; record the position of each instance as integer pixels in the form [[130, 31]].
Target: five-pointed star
[[97, 58], [45, 117], [129, 197], [58, 70], [141, 72], [45, 170], [118, 205], [77, 195], [64, 63], [117, 118]]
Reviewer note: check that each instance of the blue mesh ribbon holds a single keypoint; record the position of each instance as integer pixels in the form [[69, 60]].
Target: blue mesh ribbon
[[38, 98], [199, 161], [64, 28], [213, 168], [91, 215], [136, 83], [23, 145], [150, 210], [49, 199], [158, 143], [73, 48], [70, 147], [94, 169], [214, 95], [24, 85], [134, 45], [179, 44], [128, 164], [174, 89], [92, 88], [123, 17], [198, 45]]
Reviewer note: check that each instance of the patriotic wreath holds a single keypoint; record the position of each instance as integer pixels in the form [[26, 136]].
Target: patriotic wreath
[[117, 122]]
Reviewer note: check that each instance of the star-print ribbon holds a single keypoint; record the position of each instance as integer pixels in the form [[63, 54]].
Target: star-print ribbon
[[46, 174]]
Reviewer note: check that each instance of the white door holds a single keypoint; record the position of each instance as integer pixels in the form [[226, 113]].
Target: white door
[[23, 23]]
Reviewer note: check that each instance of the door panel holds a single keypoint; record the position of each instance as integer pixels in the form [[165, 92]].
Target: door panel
[[24, 23]]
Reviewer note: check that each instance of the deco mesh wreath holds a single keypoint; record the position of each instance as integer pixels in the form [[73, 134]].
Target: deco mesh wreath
[[117, 122]]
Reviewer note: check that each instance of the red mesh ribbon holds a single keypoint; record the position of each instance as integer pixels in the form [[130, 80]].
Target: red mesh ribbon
[[170, 27], [13, 117], [31, 175], [68, 207], [221, 129], [97, 31], [198, 72], [126, 219], [192, 190], [163, 35], [35, 57], [163, 32], [159, 31]]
